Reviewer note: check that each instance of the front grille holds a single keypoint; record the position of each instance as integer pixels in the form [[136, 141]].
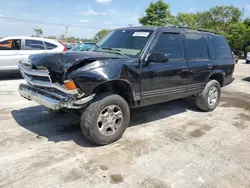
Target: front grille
[[42, 79], [39, 78]]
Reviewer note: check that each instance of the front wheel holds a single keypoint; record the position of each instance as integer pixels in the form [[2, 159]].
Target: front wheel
[[209, 98], [105, 120]]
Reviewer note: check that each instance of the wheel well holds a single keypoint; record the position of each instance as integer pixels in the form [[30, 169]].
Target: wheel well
[[119, 87], [218, 77]]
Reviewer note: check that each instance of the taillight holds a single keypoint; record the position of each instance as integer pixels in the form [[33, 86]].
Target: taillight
[[65, 48]]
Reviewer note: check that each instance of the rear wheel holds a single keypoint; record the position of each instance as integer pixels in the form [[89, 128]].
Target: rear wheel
[[209, 98], [105, 120]]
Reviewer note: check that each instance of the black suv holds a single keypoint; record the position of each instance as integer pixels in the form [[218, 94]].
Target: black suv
[[130, 67]]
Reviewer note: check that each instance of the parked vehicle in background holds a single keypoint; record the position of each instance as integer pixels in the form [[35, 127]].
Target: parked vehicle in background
[[248, 58], [236, 58], [17, 48], [128, 68], [83, 47], [68, 46]]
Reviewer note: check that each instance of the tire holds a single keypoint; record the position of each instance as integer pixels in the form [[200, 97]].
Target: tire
[[202, 99], [90, 126]]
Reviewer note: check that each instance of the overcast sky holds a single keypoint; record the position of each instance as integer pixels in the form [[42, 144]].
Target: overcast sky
[[85, 17]]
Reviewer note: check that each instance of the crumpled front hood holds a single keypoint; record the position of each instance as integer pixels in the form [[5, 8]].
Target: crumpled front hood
[[60, 62]]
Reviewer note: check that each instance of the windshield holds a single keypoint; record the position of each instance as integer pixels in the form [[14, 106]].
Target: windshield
[[128, 42]]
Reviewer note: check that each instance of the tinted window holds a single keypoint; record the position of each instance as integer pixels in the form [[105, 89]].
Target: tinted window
[[10, 45], [50, 46], [197, 48], [221, 47], [170, 44], [34, 45]]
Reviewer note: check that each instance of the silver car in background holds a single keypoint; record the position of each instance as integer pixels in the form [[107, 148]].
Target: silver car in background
[[17, 48]]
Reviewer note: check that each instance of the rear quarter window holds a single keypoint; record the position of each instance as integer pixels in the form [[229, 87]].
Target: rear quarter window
[[50, 46], [220, 47]]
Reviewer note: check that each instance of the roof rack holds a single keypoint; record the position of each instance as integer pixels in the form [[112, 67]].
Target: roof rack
[[197, 29]]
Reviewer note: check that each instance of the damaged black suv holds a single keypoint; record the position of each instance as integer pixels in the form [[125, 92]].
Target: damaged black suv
[[128, 68]]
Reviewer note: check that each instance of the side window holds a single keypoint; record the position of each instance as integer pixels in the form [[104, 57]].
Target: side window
[[10, 44], [221, 47], [6, 45], [34, 45], [197, 48], [50, 46], [170, 44]]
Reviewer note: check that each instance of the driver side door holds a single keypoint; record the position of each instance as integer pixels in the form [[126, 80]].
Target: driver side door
[[163, 81]]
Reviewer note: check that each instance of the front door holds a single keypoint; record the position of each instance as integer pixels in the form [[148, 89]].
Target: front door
[[10, 54], [163, 81]]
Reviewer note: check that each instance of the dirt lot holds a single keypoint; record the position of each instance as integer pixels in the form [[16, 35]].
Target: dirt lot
[[166, 145]]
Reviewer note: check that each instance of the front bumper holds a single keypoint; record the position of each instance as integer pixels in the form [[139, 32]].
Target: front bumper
[[53, 100]]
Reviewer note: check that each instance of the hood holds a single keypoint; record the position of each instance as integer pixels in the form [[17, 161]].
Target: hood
[[59, 63]]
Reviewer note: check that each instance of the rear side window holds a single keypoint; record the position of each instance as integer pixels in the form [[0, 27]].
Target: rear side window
[[34, 45], [221, 48], [50, 46], [197, 48], [170, 44]]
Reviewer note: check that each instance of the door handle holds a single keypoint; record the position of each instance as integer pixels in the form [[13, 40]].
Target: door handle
[[184, 69], [210, 66]]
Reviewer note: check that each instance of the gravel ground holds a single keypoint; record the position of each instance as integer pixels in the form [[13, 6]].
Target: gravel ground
[[167, 145]]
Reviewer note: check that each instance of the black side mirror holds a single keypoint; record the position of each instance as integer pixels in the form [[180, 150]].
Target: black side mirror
[[157, 57]]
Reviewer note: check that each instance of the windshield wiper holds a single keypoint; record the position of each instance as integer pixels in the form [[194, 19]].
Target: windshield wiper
[[113, 49]]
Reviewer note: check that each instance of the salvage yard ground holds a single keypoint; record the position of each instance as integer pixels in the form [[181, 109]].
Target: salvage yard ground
[[167, 145]]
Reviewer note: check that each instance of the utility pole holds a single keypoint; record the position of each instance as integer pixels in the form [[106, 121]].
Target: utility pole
[[66, 33]]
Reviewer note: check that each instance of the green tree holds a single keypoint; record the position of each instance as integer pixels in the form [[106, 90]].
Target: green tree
[[98, 36], [219, 18], [51, 37], [186, 20], [238, 36], [247, 21], [38, 32], [157, 14]]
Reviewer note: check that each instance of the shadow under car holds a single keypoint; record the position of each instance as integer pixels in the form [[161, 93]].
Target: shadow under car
[[57, 127]]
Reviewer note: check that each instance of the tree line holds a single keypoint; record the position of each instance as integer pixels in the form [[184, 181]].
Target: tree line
[[226, 20], [38, 32]]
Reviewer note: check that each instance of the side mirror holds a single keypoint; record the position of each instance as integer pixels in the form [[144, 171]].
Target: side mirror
[[157, 57]]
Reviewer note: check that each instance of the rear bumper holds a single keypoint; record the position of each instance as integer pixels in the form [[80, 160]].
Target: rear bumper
[[52, 100]]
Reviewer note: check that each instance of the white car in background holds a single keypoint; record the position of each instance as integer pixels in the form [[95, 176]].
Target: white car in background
[[17, 48], [248, 58]]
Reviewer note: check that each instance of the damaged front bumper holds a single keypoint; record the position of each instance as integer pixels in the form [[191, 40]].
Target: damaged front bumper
[[52, 100]]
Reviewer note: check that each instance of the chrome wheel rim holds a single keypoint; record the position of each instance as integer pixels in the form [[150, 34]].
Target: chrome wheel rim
[[213, 96], [110, 120]]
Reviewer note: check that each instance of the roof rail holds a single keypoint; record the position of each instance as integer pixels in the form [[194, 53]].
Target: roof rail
[[197, 29]]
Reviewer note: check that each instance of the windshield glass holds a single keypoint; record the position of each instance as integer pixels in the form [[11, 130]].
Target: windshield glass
[[128, 42]]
